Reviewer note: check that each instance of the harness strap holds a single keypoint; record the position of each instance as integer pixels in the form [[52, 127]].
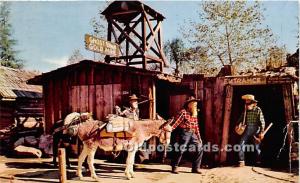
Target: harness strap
[[115, 141], [75, 121], [97, 129], [244, 119]]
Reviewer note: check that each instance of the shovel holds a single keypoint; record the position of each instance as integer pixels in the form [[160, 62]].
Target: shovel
[[259, 139]]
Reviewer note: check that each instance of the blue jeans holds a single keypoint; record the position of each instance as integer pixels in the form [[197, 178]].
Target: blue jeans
[[188, 137], [248, 135]]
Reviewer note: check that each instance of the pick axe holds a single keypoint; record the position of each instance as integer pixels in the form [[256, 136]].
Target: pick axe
[[260, 138]]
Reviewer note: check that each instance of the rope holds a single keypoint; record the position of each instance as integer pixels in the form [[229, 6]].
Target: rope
[[284, 140], [116, 154], [270, 175]]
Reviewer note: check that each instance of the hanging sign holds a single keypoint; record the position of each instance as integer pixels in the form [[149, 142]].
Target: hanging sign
[[98, 45]]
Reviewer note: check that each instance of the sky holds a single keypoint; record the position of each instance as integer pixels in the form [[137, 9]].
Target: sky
[[49, 32]]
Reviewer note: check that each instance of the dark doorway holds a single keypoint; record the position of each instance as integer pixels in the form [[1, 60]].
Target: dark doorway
[[162, 99], [270, 99], [170, 98]]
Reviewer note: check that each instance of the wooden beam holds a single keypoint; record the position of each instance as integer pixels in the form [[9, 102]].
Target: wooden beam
[[127, 50], [144, 41], [115, 36], [109, 31], [127, 36], [287, 100], [152, 32], [151, 19], [130, 29], [125, 57], [153, 36], [153, 58], [155, 51], [125, 12], [136, 52], [218, 104], [159, 36], [140, 62], [226, 122], [149, 23], [156, 26], [154, 99], [161, 68], [137, 34]]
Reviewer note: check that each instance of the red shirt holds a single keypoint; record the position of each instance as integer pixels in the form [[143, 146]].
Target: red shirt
[[186, 121]]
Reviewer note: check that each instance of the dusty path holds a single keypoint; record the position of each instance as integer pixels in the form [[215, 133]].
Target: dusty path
[[40, 170]]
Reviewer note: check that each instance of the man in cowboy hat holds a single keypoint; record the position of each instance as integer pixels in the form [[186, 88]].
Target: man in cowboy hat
[[187, 122], [255, 122], [133, 113]]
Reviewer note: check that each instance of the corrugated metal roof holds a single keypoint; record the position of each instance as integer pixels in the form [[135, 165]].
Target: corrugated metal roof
[[13, 84]]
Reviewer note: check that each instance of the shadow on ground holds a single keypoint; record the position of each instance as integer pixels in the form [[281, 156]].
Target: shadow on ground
[[45, 172]]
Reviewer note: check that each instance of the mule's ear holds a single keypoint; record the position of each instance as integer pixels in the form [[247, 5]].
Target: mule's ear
[[158, 117], [169, 121], [168, 128]]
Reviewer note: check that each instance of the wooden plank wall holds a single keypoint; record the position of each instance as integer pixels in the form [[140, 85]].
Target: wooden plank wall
[[288, 110], [212, 95], [226, 122], [216, 98], [176, 104], [7, 109], [98, 99], [218, 113], [93, 89]]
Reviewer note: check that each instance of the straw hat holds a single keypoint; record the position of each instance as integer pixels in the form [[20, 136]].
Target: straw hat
[[249, 97], [133, 97]]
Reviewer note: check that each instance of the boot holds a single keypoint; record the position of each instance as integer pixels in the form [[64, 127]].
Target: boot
[[175, 170], [241, 163], [196, 170]]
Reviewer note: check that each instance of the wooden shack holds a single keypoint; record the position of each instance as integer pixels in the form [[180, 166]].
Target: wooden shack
[[221, 107], [97, 87], [18, 100]]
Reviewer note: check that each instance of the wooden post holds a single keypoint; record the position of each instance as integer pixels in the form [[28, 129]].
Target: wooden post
[[109, 32], [226, 122], [287, 100], [62, 165], [153, 103], [152, 114], [127, 49], [150, 96], [218, 105], [144, 41]]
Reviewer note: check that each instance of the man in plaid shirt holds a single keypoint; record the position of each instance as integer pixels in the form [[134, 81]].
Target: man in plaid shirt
[[187, 122], [255, 122]]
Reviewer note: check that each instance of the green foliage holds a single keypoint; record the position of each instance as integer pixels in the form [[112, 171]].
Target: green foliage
[[276, 57], [7, 53], [175, 50], [231, 33]]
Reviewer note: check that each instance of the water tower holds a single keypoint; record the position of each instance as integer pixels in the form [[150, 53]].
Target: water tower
[[137, 28]]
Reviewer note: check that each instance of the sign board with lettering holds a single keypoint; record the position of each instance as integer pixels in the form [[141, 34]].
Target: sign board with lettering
[[256, 80], [250, 80], [98, 45]]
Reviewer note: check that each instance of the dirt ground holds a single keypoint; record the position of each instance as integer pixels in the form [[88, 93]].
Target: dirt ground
[[40, 170]]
